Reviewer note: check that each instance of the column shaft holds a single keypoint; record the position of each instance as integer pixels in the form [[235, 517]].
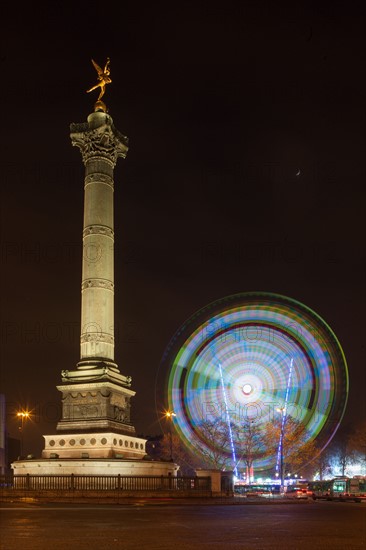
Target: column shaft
[[100, 145], [97, 302]]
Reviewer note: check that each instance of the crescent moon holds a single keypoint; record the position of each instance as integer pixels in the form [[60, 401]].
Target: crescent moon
[[298, 172]]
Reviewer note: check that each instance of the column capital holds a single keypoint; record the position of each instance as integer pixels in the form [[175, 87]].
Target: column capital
[[98, 138]]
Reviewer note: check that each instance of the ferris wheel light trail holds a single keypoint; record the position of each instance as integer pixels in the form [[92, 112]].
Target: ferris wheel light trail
[[228, 423], [283, 421], [257, 334]]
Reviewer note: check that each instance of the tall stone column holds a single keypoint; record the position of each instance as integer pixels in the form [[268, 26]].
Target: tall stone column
[[95, 395], [100, 145]]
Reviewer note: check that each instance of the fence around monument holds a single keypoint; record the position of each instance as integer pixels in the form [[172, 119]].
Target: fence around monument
[[115, 483]]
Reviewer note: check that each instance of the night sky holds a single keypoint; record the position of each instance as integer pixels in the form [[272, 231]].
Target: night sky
[[245, 172]]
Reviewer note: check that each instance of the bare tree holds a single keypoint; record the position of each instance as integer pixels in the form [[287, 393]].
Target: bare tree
[[357, 442], [343, 456], [172, 448], [297, 449], [322, 464], [250, 443], [213, 444]]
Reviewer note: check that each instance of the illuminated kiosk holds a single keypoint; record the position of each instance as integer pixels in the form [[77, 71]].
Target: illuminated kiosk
[[95, 435]]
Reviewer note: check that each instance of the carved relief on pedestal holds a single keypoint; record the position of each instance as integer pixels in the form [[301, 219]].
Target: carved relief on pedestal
[[84, 412], [101, 404], [120, 407], [83, 405], [120, 414]]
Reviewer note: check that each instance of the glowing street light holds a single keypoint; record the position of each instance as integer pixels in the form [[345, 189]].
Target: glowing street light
[[23, 416], [169, 415]]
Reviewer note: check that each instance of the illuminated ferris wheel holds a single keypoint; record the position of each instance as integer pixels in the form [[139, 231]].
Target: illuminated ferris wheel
[[246, 356]]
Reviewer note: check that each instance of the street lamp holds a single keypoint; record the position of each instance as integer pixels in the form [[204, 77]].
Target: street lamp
[[22, 415], [169, 416]]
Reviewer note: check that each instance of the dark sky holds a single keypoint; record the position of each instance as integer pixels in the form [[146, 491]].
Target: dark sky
[[223, 104]]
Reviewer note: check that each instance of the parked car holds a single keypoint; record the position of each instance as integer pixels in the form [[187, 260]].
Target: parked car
[[296, 491]]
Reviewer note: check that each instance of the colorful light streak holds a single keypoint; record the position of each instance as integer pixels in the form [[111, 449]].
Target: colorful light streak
[[283, 422], [229, 423]]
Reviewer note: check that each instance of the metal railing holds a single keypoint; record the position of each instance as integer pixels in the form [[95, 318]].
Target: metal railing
[[105, 483]]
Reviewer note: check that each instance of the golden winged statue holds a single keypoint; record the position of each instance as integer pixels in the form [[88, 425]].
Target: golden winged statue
[[103, 78]]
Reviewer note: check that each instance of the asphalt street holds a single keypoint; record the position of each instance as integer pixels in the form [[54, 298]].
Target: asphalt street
[[162, 526]]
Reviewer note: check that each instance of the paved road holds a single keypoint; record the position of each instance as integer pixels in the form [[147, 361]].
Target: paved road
[[292, 526]]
